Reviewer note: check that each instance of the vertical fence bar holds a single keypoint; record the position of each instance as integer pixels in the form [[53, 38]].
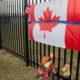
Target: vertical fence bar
[[44, 50], [20, 29], [40, 43], [37, 53], [5, 23], [2, 26], [17, 25], [48, 49], [24, 31], [0, 34], [71, 61], [65, 51], [53, 55], [14, 31], [23, 10], [17, 28], [7, 16], [40, 52], [58, 78], [26, 36], [22, 36], [33, 53], [30, 50], [10, 24], [33, 46], [12, 28], [53, 58], [78, 65]]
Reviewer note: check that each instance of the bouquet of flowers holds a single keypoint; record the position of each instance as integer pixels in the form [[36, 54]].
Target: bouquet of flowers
[[66, 70], [42, 74]]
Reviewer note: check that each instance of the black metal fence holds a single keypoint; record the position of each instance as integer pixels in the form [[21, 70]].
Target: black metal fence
[[13, 26], [14, 38], [0, 34]]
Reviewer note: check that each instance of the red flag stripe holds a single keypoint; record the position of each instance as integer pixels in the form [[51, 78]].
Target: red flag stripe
[[32, 17], [72, 33], [73, 12], [31, 27], [72, 37], [31, 13]]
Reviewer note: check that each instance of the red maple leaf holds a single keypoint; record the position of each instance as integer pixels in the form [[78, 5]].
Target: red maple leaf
[[47, 14]]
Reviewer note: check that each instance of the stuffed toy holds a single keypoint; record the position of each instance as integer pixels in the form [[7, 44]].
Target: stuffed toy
[[46, 67], [47, 63]]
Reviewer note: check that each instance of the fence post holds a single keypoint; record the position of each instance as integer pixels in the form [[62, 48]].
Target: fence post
[[26, 36], [0, 35]]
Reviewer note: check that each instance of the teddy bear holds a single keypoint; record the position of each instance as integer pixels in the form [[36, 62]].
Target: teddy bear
[[46, 67], [47, 63]]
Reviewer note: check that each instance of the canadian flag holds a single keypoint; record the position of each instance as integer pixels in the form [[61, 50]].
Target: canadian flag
[[58, 34]]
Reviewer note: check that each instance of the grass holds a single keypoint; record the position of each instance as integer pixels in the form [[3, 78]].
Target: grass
[[12, 68]]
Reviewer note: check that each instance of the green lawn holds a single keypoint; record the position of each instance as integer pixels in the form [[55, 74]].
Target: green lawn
[[12, 68]]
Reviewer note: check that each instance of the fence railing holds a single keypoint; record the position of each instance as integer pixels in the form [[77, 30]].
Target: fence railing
[[0, 34], [14, 38], [13, 26]]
